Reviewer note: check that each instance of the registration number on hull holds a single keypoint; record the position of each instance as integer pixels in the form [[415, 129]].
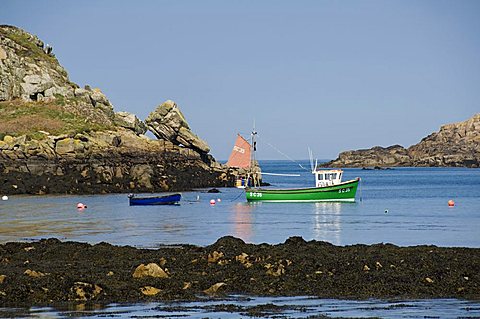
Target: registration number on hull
[[254, 194], [344, 190]]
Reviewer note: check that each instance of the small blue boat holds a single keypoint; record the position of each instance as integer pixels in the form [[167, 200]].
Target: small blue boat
[[171, 199]]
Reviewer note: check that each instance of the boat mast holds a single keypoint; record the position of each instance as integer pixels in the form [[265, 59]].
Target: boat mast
[[253, 155]]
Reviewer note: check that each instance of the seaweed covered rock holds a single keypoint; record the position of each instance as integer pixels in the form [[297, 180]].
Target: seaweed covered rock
[[107, 274]]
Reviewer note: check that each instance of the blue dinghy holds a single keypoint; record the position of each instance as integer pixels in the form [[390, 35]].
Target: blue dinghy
[[171, 199]]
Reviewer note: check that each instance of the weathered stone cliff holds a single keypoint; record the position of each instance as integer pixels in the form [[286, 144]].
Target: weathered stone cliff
[[56, 137], [454, 145]]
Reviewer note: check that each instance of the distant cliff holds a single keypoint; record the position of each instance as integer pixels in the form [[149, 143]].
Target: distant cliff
[[56, 137], [454, 145]]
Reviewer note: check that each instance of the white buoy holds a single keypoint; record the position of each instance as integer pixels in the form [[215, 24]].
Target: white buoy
[[212, 202], [219, 200], [4, 197]]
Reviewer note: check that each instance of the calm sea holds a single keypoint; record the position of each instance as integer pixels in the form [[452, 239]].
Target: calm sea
[[403, 206]]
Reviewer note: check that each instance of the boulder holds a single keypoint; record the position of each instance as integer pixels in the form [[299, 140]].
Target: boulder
[[150, 270], [131, 122], [65, 146], [214, 288], [100, 100], [35, 84], [149, 290], [34, 273], [168, 122]]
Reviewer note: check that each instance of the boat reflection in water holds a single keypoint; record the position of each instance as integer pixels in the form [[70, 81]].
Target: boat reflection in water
[[327, 222], [242, 221]]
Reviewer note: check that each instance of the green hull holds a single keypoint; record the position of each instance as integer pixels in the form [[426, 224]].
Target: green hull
[[343, 192]]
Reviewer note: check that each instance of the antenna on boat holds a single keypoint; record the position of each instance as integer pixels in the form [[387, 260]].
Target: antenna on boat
[[310, 156], [312, 167]]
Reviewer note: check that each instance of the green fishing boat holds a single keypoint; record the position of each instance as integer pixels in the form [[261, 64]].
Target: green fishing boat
[[328, 183], [329, 188]]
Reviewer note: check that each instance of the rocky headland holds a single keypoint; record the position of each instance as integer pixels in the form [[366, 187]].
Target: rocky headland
[[454, 145], [56, 137]]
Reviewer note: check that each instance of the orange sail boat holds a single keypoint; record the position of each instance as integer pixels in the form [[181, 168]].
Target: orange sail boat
[[241, 158]]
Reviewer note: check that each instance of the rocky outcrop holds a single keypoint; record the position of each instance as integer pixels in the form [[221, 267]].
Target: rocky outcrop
[[395, 155], [168, 122], [56, 137], [454, 145], [103, 162], [26, 70]]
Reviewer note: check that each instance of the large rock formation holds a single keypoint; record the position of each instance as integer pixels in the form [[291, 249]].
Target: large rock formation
[[395, 155], [26, 70], [56, 137], [30, 72], [168, 122], [454, 145]]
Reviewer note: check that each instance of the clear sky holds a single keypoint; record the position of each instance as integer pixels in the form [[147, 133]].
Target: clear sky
[[329, 75]]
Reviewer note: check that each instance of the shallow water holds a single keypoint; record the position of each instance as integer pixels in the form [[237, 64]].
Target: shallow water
[[237, 306], [403, 206]]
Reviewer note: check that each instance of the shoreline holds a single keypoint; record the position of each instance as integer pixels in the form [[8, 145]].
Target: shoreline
[[51, 271]]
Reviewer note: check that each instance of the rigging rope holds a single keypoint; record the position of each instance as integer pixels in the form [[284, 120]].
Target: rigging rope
[[241, 193], [288, 157]]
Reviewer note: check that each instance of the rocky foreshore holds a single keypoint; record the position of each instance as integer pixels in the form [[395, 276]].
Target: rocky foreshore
[[105, 162], [454, 145], [51, 271], [56, 137]]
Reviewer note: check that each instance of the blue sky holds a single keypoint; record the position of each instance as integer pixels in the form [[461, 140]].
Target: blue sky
[[329, 75]]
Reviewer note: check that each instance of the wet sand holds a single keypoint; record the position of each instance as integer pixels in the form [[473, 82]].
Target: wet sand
[[51, 271]]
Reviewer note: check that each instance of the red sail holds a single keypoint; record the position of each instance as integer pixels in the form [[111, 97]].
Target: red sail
[[240, 156]]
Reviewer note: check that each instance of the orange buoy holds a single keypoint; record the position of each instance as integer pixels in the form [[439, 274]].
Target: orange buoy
[[451, 203]]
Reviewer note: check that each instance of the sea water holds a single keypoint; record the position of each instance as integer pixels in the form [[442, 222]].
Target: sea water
[[402, 206]]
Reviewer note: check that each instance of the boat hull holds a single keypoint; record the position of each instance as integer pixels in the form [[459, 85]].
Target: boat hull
[[343, 192], [159, 200]]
